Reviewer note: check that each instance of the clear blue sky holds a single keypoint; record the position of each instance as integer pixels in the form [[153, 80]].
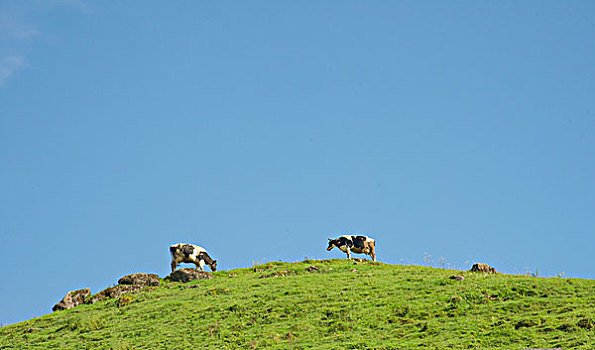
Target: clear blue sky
[[461, 130]]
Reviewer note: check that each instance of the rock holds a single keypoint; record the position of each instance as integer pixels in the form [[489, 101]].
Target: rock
[[457, 277], [119, 290], [30, 330], [187, 274], [127, 284], [140, 279], [281, 273], [114, 292], [485, 268], [313, 269], [72, 299]]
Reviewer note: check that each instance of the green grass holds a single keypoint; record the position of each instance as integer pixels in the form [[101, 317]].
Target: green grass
[[340, 306]]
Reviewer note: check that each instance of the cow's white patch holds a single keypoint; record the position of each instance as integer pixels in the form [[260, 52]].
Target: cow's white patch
[[199, 249]]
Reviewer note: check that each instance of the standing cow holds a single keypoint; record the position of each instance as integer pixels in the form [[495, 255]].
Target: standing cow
[[355, 244], [190, 253]]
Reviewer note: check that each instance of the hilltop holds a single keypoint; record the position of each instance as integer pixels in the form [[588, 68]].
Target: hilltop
[[328, 304]]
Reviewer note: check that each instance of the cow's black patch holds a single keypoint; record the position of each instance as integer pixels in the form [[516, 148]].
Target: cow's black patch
[[344, 241], [204, 256], [332, 243], [187, 249], [358, 241]]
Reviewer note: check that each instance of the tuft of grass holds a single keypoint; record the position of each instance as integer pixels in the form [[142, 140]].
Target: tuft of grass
[[124, 300], [339, 304]]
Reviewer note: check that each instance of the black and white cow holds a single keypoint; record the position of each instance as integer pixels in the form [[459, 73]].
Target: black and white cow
[[355, 244], [190, 253]]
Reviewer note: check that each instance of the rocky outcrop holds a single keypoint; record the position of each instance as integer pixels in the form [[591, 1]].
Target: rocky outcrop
[[72, 299], [187, 274], [114, 292], [484, 268], [140, 279], [127, 284]]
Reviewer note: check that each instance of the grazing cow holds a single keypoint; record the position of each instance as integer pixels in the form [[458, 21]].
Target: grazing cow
[[190, 253], [355, 244]]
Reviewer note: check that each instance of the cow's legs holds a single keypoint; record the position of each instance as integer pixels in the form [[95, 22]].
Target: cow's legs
[[348, 252], [200, 265], [173, 265], [373, 255]]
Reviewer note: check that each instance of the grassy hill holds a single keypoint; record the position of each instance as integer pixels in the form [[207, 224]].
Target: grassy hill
[[336, 305]]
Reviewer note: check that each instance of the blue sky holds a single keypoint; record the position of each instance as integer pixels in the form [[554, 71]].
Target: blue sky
[[458, 130]]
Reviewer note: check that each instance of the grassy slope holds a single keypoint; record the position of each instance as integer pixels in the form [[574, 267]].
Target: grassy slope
[[342, 306]]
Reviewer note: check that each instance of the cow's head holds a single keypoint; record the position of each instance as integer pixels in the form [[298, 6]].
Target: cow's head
[[213, 265], [331, 243]]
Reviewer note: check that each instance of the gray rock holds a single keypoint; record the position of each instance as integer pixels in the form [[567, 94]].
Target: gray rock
[[313, 269], [187, 274], [72, 299], [126, 285], [140, 279], [114, 292], [484, 268]]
